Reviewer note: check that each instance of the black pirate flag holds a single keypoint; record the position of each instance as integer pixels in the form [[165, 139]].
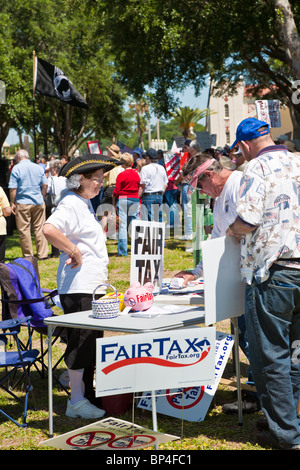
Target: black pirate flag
[[51, 81]]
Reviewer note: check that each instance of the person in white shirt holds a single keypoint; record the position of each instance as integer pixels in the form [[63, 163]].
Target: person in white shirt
[[75, 230], [56, 185], [154, 181], [208, 176], [219, 183]]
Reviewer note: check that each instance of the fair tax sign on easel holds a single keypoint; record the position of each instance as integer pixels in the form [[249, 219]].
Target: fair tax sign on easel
[[147, 252]]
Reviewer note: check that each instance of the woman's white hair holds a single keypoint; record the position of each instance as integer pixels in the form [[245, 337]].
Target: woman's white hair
[[74, 182]]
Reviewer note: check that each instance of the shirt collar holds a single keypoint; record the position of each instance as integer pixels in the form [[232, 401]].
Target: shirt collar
[[271, 148]]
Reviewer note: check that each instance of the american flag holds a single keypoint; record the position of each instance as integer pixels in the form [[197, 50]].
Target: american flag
[[124, 148], [172, 164]]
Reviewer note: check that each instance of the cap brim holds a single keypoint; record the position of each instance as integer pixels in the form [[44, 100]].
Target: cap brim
[[234, 145], [86, 163]]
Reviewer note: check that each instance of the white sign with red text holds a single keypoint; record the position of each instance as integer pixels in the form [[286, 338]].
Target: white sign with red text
[[269, 112], [151, 361], [191, 403], [109, 434]]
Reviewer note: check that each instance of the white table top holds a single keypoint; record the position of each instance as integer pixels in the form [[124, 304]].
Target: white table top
[[128, 323]]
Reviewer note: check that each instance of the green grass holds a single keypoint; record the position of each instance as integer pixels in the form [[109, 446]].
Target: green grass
[[217, 432]]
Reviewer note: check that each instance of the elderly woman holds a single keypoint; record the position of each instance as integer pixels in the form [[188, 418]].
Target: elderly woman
[[77, 233], [126, 193], [56, 183]]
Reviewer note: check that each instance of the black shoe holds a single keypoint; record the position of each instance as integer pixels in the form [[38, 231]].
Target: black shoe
[[262, 424], [264, 439], [250, 404]]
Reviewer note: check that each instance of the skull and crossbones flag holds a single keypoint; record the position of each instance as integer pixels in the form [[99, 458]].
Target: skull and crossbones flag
[[49, 80]]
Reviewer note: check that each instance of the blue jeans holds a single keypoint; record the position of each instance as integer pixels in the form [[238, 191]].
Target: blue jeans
[[273, 326], [244, 344], [187, 210], [151, 208], [128, 209], [171, 201]]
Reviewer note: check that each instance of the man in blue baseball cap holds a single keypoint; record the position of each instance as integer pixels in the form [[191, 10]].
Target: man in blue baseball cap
[[249, 129], [268, 225], [139, 161]]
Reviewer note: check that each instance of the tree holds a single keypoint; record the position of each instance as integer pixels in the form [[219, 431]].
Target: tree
[[168, 45], [140, 108], [65, 34], [187, 119]]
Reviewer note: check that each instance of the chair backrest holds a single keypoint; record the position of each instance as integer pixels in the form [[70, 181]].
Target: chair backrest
[[22, 295]]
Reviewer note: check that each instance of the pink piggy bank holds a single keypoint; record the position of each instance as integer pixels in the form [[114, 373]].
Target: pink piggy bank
[[139, 297]]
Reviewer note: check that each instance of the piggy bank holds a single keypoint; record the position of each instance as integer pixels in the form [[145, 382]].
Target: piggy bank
[[139, 297]]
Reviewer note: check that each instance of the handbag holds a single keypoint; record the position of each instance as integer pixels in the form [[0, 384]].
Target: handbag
[[50, 198]]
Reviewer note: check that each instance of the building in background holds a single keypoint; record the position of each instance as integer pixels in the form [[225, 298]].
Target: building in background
[[231, 110]]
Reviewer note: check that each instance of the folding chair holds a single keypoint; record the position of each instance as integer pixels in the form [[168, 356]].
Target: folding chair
[[14, 361], [22, 296]]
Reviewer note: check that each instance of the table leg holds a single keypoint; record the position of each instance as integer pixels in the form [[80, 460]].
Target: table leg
[[50, 380], [154, 413], [237, 369]]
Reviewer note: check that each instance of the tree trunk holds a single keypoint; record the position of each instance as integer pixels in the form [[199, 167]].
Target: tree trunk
[[289, 35], [4, 130]]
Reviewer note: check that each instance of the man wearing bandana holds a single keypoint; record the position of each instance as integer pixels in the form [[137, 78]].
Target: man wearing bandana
[[206, 175]]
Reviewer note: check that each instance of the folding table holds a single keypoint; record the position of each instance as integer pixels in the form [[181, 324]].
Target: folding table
[[124, 324]]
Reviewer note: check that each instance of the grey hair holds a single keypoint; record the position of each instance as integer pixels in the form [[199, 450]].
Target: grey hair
[[74, 182], [57, 164], [195, 145], [22, 153]]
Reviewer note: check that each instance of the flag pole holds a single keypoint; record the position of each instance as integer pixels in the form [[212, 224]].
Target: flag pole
[[33, 102]]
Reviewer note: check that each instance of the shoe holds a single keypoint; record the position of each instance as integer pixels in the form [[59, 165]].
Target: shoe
[[84, 409], [189, 250], [265, 439], [186, 237], [113, 236], [262, 424], [250, 404]]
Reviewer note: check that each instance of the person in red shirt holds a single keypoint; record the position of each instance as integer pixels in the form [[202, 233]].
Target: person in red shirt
[[126, 200]]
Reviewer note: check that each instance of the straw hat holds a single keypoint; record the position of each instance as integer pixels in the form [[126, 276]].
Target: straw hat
[[115, 150]]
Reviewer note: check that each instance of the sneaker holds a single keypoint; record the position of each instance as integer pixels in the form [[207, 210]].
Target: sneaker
[[84, 409], [186, 237], [113, 236], [250, 404]]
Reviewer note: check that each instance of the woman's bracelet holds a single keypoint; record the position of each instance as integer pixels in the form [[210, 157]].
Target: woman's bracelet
[[73, 251]]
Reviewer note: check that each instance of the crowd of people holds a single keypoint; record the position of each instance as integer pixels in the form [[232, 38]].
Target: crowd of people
[[255, 191]]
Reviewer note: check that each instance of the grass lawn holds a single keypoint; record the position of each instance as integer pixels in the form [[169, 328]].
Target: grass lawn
[[218, 431]]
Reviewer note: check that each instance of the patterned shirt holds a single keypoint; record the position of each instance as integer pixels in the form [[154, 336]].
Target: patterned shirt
[[269, 201]]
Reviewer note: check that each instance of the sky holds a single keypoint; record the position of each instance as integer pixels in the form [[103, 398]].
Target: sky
[[188, 98]]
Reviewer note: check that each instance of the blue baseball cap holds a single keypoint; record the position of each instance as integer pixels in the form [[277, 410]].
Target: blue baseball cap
[[249, 129], [138, 150]]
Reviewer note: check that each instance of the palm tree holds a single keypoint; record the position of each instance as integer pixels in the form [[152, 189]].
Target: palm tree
[[140, 108], [187, 119]]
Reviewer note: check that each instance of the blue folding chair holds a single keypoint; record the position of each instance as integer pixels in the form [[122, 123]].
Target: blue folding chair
[[22, 296], [14, 361]]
